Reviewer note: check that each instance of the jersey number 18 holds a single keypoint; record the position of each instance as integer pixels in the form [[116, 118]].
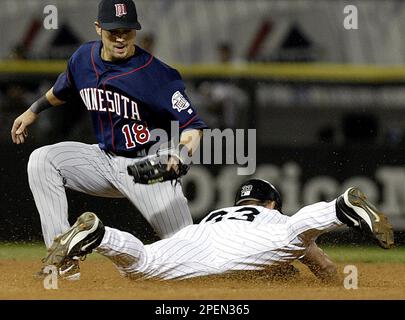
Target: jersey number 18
[[137, 132]]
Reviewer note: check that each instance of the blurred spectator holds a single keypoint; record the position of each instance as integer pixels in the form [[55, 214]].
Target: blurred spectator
[[68, 121], [19, 52], [225, 102], [65, 122], [12, 101], [224, 52], [148, 42]]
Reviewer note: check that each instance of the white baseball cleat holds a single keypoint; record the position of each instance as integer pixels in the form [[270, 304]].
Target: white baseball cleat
[[84, 236], [353, 209], [69, 270]]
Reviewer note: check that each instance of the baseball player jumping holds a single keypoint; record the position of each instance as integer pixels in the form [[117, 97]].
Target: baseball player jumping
[[128, 93], [252, 235]]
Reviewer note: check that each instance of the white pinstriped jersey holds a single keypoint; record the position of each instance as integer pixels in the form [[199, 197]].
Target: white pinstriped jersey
[[234, 238], [255, 214]]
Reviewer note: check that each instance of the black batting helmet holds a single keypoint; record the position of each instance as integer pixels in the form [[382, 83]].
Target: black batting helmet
[[258, 189]]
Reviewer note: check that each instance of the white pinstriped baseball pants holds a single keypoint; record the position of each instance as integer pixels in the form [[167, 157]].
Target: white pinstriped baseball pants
[[86, 168], [214, 248]]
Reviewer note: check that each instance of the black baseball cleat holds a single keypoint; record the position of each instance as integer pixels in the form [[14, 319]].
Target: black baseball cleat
[[84, 236], [353, 209]]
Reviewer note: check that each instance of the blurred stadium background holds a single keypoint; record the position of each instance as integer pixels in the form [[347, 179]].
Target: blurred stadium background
[[328, 103]]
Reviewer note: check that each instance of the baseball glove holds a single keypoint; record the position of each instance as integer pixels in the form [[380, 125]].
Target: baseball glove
[[152, 169]]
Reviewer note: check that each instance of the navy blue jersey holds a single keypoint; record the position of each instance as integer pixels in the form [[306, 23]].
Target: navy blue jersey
[[128, 99]]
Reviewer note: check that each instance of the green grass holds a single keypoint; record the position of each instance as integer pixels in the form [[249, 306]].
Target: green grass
[[365, 254], [21, 251], [25, 251]]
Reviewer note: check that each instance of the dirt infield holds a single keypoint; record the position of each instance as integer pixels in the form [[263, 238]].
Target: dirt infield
[[100, 280]]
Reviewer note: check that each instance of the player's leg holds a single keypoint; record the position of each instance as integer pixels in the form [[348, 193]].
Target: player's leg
[[352, 209], [313, 220], [88, 234], [163, 204], [188, 254], [53, 168], [124, 250], [191, 252]]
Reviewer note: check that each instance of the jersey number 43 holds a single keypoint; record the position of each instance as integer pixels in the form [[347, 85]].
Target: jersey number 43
[[244, 214]]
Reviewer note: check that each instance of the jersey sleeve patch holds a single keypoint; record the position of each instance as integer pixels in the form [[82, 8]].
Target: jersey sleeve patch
[[179, 103]]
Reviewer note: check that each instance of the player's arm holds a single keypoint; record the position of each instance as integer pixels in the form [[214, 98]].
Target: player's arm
[[191, 140], [320, 264], [19, 130], [172, 103]]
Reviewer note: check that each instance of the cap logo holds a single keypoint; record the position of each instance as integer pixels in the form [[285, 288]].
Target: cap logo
[[246, 190], [120, 10]]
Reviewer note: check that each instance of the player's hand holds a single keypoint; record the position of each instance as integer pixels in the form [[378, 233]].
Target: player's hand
[[176, 159], [19, 130], [173, 163], [165, 165]]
